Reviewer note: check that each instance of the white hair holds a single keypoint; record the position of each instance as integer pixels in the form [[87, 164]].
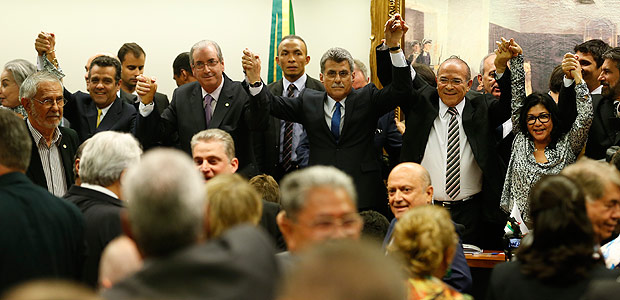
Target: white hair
[[295, 186], [166, 201], [106, 155]]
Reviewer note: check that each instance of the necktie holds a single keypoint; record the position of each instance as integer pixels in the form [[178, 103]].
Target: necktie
[[336, 121], [453, 166], [207, 105], [287, 146], [98, 116]]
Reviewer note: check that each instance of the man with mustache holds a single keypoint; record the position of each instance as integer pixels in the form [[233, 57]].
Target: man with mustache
[[51, 160], [213, 101], [341, 121], [592, 56]]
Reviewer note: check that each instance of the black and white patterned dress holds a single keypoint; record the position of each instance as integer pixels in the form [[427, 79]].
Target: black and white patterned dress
[[523, 170]]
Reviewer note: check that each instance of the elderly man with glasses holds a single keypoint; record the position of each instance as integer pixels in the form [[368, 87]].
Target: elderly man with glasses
[[51, 161]]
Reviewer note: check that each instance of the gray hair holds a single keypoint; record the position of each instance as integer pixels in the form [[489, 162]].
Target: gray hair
[[166, 201], [296, 185], [592, 176], [21, 69], [15, 142], [217, 135], [106, 156], [337, 55], [361, 66], [205, 44], [31, 84], [482, 62]]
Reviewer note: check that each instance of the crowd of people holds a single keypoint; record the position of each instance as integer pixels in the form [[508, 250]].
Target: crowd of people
[[243, 190]]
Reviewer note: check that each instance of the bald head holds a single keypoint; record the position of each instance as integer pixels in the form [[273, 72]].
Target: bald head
[[409, 185]]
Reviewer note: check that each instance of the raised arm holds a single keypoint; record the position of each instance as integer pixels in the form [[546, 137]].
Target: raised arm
[[517, 76], [578, 133]]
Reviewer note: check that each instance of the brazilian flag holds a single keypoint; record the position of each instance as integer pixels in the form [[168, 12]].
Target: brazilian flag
[[282, 24]]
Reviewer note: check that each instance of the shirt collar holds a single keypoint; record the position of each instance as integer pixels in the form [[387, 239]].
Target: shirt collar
[[597, 91], [331, 102], [443, 108], [300, 83], [215, 94], [38, 136], [100, 189]]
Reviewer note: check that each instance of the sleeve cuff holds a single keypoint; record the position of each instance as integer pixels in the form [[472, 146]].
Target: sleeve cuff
[[567, 82], [398, 59], [146, 110]]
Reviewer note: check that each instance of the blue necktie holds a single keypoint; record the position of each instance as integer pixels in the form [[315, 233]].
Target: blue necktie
[[336, 121]]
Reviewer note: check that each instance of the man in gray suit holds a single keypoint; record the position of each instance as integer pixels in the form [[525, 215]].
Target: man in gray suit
[[165, 217], [277, 149]]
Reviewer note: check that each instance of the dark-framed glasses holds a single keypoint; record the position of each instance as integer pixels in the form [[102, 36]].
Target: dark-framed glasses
[[50, 102], [543, 118]]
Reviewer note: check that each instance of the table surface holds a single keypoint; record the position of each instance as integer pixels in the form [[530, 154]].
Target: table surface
[[486, 259]]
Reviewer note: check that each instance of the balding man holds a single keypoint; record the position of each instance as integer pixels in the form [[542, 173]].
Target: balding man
[[409, 185], [166, 218], [454, 140]]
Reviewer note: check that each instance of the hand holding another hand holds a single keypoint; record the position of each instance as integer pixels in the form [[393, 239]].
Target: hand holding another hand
[[146, 88]]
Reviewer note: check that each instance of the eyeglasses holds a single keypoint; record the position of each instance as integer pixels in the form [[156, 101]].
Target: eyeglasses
[[347, 223], [199, 65], [543, 118], [50, 102], [454, 81], [332, 74]]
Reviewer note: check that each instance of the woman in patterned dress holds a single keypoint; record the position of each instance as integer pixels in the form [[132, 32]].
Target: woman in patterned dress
[[540, 147], [425, 239]]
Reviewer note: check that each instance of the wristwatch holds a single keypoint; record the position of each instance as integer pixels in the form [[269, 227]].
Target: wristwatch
[[255, 84]]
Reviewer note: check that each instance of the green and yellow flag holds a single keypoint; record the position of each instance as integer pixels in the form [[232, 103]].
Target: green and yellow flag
[[282, 24]]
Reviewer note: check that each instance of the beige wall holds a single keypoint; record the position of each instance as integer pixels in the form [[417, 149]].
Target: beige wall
[[165, 28]]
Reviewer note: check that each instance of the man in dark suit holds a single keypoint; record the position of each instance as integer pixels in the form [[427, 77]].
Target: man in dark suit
[[99, 110], [182, 70], [409, 186], [214, 101], [213, 151], [43, 235], [51, 161], [166, 220], [599, 78], [107, 155], [340, 122], [276, 148], [471, 187], [133, 58]]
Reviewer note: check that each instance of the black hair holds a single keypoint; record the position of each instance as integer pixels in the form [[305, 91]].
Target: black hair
[[546, 100], [107, 61], [134, 48], [596, 48], [181, 63]]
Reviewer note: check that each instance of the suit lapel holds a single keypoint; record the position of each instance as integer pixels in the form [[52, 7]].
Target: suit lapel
[[467, 119], [349, 107], [224, 103], [90, 114], [112, 116], [66, 154], [197, 111], [35, 169]]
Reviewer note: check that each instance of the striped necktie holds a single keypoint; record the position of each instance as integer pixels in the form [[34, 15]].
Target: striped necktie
[[287, 146], [453, 163]]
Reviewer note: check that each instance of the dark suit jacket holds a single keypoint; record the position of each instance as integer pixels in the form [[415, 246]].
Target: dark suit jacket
[[268, 222], [103, 224], [354, 153], [605, 124], [508, 283], [267, 143], [481, 116], [81, 111], [185, 117], [160, 99], [238, 265], [460, 278], [68, 146], [42, 237]]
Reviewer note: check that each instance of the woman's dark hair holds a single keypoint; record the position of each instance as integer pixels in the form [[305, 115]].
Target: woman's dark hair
[[546, 100], [563, 238]]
